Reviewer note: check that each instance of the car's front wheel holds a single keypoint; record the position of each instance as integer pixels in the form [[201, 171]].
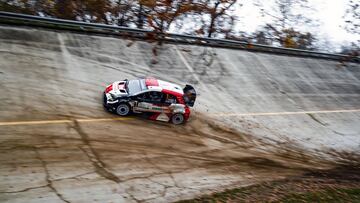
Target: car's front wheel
[[177, 119], [123, 109]]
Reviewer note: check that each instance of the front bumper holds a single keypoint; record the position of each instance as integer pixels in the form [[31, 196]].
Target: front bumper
[[110, 105]]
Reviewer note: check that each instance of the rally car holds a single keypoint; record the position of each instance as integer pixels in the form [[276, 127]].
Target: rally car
[[158, 99]]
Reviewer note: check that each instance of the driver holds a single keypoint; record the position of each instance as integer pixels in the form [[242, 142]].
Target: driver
[[154, 96], [170, 99]]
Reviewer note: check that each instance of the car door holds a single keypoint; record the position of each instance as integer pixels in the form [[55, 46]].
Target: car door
[[167, 103], [149, 102]]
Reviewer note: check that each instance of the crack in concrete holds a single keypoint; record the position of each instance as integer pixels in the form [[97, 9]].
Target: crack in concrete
[[165, 187], [170, 173], [24, 190], [148, 177], [43, 186], [74, 177], [143, 177], [100, 167], [174, 181], [162, 194], [336, 132], [323, 124], [47, 177], [132, 196], [316, 120]]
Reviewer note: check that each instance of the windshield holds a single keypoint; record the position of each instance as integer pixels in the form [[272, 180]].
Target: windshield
[[135, 86]]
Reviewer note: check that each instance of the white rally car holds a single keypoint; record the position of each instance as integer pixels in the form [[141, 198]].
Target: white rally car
[[157, 99]]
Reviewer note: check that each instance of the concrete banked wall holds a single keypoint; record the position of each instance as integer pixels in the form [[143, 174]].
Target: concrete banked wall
[[277, 97], [56, 146]]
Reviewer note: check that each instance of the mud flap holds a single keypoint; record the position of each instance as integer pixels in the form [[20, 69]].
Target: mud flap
[[159, 117]]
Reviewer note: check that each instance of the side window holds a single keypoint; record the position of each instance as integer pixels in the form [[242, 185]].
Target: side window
[[151, 97], [169, 99], [141, 97], [155, 97]]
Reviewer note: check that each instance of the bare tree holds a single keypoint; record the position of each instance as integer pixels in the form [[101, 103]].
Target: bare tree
[[219, 15], [352, 20], [67, 9], [161, 14], [216, 16], [88, 11], [22, 6], [286, 15], [352, 17], [121, 12]]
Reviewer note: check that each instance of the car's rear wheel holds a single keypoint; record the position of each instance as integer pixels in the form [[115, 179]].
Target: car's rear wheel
[[177, 119], [123, 109]]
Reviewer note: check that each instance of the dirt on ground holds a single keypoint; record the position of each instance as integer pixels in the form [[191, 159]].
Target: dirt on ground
[[137, 160], [340, 184]]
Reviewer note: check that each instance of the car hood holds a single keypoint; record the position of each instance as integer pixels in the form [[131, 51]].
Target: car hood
[[117, 89]]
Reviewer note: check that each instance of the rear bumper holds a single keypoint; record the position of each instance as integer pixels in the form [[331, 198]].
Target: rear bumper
[[187, 113]]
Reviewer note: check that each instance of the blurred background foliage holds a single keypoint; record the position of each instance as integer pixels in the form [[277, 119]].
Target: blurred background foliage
[[205, 18]]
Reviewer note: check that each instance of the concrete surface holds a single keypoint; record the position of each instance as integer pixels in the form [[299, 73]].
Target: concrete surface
[[258, 117]]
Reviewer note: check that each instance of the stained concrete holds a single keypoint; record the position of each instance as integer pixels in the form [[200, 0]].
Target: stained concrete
[[258, 117]]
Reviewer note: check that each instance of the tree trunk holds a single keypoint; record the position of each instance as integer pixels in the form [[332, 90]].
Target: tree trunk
[[213, 18], [140, 20]]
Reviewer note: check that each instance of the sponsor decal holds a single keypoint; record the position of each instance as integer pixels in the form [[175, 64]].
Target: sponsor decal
[[156, 108], [163, 117]]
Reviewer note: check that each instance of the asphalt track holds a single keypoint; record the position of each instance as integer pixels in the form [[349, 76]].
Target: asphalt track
[[258, 117]]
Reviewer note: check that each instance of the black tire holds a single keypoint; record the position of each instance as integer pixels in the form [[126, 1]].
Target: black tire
[[178, 119], [123, 109]]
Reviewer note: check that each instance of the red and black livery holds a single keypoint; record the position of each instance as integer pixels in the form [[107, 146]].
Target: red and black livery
[[158, 99]]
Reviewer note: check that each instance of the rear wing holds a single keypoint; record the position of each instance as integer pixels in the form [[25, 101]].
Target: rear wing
[[189, 95]]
